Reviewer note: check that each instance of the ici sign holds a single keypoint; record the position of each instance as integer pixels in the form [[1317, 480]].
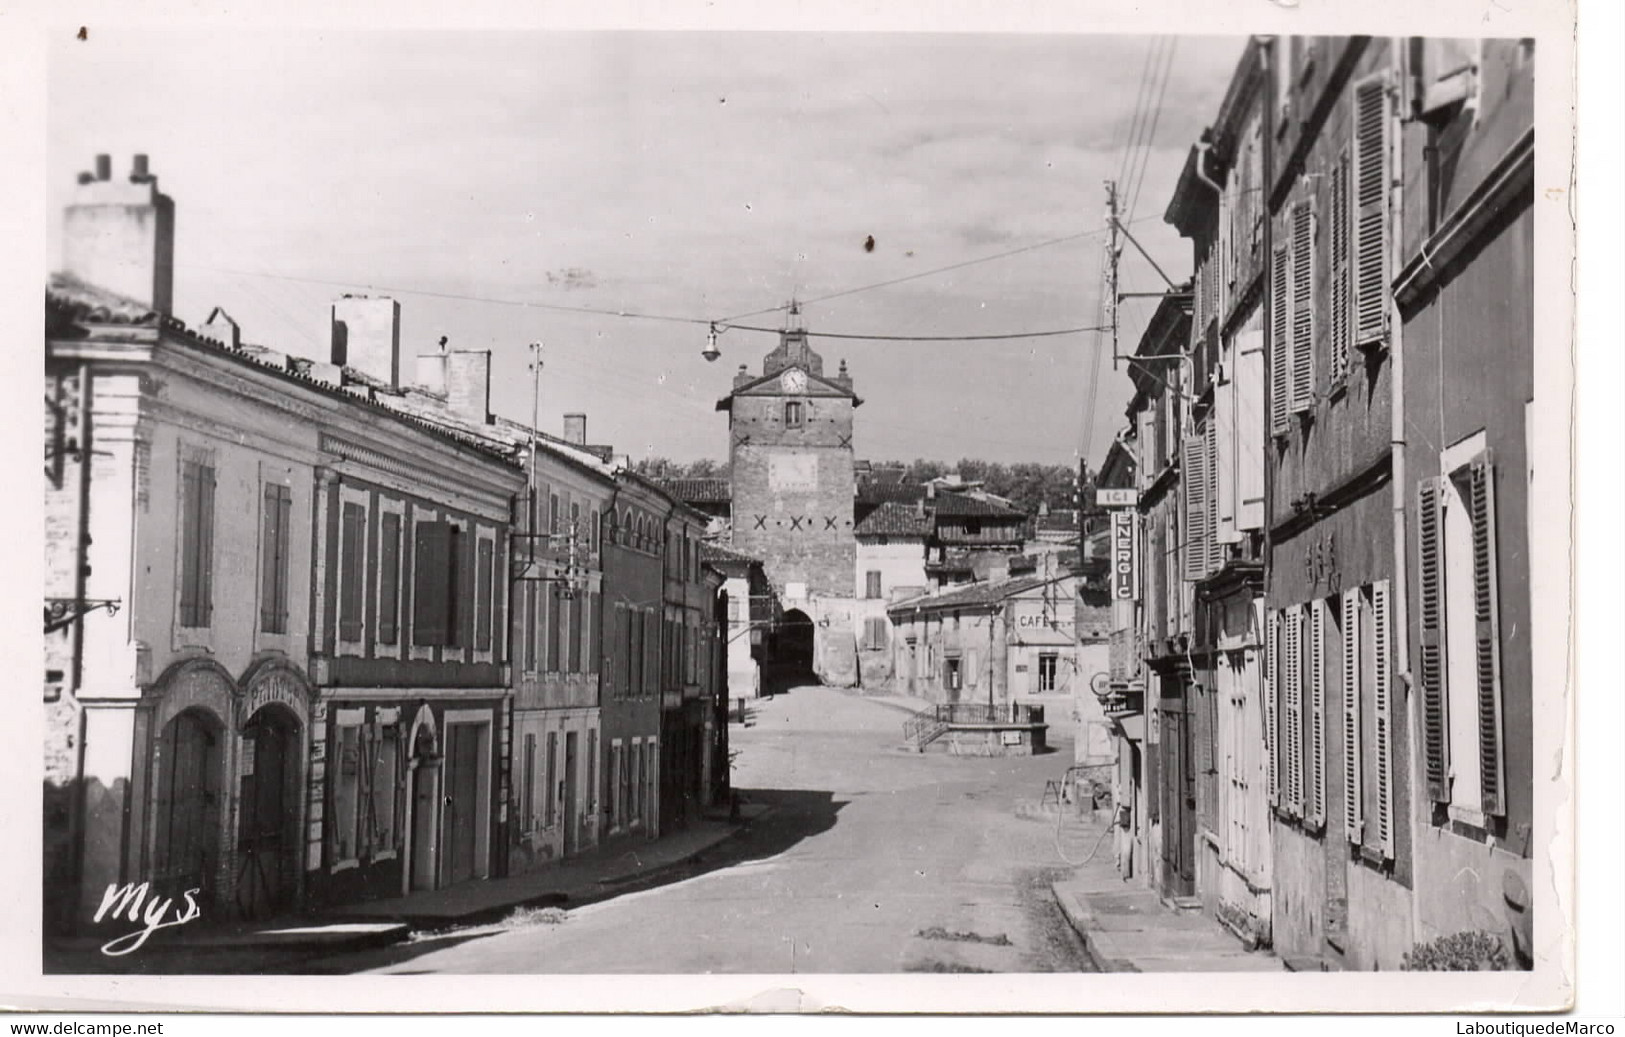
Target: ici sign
[[1122, 555]]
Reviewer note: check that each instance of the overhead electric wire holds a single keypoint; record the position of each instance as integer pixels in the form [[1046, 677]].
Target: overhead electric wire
[[1151, 136]]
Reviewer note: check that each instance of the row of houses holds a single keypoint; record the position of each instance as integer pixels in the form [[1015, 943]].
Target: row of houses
[[1320, 675], [323, 631]]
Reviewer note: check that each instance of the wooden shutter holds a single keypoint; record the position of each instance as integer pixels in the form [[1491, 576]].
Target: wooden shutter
[[1382, 692], [1280, 345], [205, 525], [190, 497], [351, 540], [1315, 806], [1272, 669], [1353, 812], [431, 542], [1341, 331], [530, 622], [577, 605], [1292, 679], [1249, 420], [270, 550], [1431, 638], [595, 622], [1371, 210], [1303, 307], [1486, 634], [1194, 480], [389, 576], [482, 596], [1214, 551], [554, 607]]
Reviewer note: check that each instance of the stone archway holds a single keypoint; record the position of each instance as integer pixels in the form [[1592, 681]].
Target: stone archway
[[190, 755]]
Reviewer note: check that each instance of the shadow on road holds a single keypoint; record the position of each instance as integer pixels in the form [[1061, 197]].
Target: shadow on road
[[796, 814]]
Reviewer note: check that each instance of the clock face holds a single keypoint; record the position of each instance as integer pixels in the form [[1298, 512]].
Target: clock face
[[794, 380]]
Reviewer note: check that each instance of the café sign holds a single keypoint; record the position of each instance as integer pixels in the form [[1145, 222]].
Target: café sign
[[1122, 555], [1116, 498]]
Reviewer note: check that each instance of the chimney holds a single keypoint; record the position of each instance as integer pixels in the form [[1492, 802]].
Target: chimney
[[120, 235], [575, 429], [220, 326], [431, 372], [468, 384], [367, 336]]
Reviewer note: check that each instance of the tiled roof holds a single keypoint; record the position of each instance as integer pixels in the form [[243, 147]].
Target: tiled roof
[[711, 551], [987, 592], [72, 298], [81, 301], [959, 505], [892, 519], [698, 491]]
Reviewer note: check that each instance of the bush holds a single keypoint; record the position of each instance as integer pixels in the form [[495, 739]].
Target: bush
[[1474, 951]]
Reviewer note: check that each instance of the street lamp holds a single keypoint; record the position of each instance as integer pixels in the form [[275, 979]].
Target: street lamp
[[711, 352]]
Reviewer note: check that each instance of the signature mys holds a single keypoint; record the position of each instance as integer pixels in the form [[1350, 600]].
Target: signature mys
[[130, 901]]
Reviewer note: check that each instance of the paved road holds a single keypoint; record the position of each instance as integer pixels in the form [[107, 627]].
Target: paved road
[[873, 860]]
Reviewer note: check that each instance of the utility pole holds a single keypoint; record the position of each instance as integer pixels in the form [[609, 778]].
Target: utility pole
[[1113, 251]]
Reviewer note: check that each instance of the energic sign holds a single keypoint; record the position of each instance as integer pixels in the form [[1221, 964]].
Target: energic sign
[[1122, 555]]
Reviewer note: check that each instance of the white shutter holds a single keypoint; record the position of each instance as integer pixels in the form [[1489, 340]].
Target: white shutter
[[1487, 634], [1382, 692], [1279, 345], [1272, 645], [1194, 481], [1430, 672], [1249, 420], [1315, 807], [1292, 680], [1224, 468], [1353, 816], [1210, 526], [1340, 269], [1371, 178], [1302, 362]]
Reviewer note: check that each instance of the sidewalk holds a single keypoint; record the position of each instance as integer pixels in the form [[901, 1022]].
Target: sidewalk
[[574, 882], [1127, 928]]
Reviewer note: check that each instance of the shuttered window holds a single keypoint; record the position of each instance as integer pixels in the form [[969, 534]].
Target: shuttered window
[[555, 617], [577, 603], [1249, 421], [456, 567], [1318, 673], [1341, 330], [530, 621], [1430, 642], [594, 632], [1272, 739], [197, 544], [276, 509], [634, 652], [1382, 693], [1194, 480], [1371, 179], [352, 570], [1302, 359], [1214, 551], [1280, 343], [431, 560], [550, 790], [1353, 815], [1486, 635], [482, 596], [1292, 706], [389, 577]]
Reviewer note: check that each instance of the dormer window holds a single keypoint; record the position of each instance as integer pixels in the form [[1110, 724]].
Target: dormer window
[[792, 414]]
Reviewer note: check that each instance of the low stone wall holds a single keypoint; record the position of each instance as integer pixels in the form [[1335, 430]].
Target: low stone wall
[[995, 740]]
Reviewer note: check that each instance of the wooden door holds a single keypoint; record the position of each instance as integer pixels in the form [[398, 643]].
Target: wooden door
[[1178, 806], [462, 800], [267, 839], [187, 848]]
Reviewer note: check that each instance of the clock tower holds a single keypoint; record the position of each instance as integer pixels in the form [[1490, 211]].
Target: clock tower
[[790, 444]]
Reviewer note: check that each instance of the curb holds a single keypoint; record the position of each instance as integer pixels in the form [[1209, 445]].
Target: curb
[[1097, 948]]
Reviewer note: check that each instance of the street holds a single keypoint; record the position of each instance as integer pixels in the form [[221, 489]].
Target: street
[[872, 860]]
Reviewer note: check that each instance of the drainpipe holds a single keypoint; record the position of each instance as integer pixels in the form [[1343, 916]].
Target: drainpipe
[[1266, 46], [1398, 599]]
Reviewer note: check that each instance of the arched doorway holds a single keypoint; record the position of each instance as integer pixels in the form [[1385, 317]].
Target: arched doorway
[[423, 802], [191, 763], [268, 812], [793, 646]]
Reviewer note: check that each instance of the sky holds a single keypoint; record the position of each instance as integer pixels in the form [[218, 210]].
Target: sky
[[483, 177]]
